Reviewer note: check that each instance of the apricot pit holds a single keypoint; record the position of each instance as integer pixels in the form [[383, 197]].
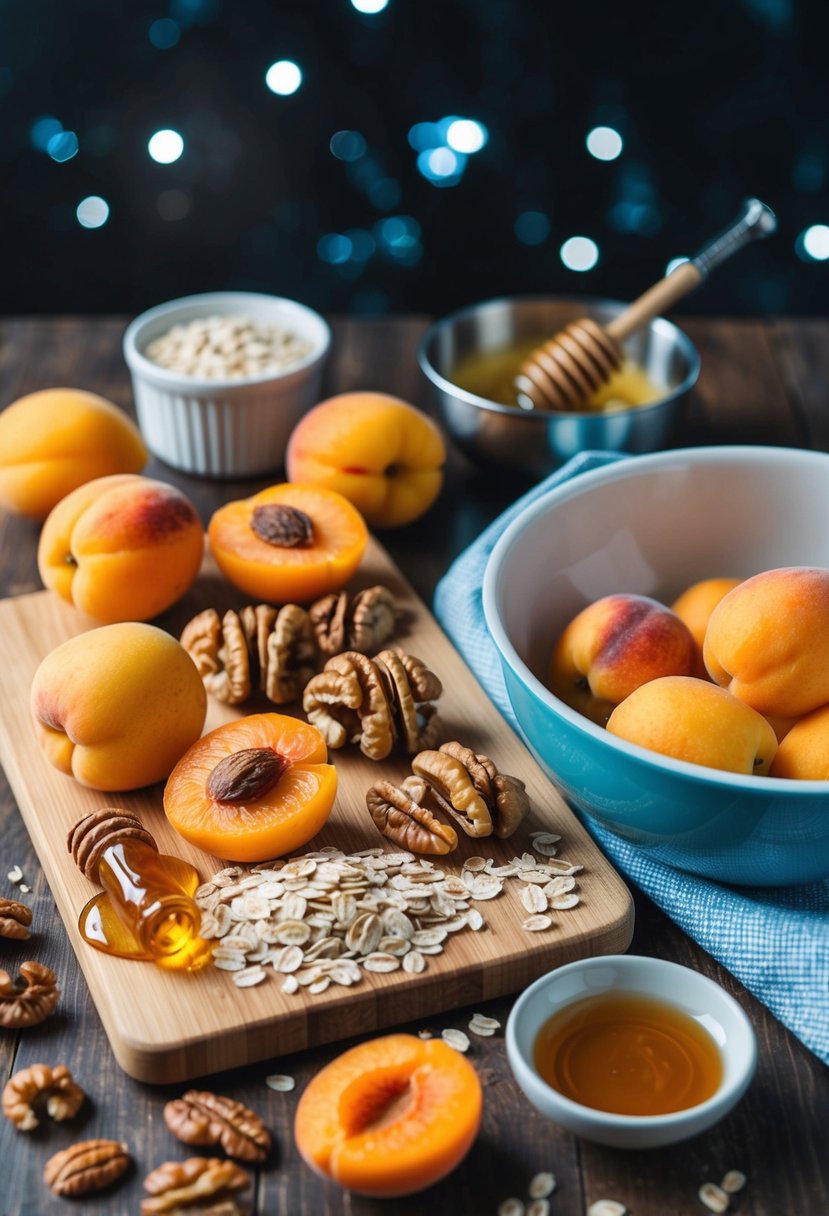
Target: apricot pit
[[252, 789]]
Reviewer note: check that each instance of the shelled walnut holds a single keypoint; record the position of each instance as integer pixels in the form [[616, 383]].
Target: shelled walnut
[[374, 702], [41, 1085], [362, 622], [15, 919], [28, 1003], [452, 780], [89, 1165], [399, 813], [469, 788], [203, 1118], [199, 1184], [277, 650]]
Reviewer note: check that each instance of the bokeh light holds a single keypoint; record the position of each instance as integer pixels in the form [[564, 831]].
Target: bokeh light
[[283, 77], [813, 243], [425, 135], [441, 166], [92, 212], [43, 129], [334, 248], [347, 145], [165, 146], [173, 205], [674, 262], [532, 228], [579, 253], [466, 135], [63, 146], [164, 34], [370, 6], [604, 143]]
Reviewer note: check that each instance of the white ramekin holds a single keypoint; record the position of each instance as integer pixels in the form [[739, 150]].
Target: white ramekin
[[230, 428]]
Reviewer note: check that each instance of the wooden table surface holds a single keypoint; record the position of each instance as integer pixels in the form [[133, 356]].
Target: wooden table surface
[[761, 382]]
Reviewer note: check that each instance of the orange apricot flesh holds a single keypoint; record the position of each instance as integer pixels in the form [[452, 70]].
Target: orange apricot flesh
[[249, 823], [390, 1116], [288, 573]]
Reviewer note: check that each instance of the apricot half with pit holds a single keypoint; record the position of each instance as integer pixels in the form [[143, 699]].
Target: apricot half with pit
[[252, 789], [390, 1116], [288, 544]]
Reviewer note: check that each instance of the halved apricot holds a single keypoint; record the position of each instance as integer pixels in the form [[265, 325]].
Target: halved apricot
[[390, 1116], [252, 789], [290, 543]]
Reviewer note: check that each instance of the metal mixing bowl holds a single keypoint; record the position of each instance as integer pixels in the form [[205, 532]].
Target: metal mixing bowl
[[536, 442]]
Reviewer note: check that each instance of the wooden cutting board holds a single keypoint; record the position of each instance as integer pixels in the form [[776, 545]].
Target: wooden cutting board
[[188, 1025]]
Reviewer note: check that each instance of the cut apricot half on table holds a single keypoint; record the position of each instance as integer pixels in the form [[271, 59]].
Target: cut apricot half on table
[[288, 544], [252, 789], [390, 1116]]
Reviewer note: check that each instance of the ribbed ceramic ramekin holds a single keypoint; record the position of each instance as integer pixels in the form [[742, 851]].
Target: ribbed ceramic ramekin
[[224, 428]]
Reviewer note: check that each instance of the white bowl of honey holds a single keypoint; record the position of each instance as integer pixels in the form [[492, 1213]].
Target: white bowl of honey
[[629, 1051]]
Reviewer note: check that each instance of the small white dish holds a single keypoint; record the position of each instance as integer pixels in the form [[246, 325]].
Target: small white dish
[[694, 994], [224, 428]]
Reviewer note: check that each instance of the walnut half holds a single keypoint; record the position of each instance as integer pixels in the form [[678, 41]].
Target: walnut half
[[399, 813], [89, 1165], [200, 1117], [469, 788], [27, 1003], [15, 919], [199, 1183], [37, 1084]]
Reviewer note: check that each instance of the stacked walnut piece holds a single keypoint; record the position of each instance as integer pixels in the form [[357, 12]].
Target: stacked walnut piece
[[454, 780], [375, 702], [278, 650]]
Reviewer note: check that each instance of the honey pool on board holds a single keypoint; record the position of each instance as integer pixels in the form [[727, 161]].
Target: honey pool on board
[[628, 1054], [490, 374]]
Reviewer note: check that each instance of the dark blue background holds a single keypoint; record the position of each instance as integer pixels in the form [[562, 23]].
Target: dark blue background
[[714, 100]]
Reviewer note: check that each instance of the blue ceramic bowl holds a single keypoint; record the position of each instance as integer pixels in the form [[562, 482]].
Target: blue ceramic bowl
[[654, 525]]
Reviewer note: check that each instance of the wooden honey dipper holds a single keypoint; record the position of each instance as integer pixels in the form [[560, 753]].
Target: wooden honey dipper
[[564, 372]]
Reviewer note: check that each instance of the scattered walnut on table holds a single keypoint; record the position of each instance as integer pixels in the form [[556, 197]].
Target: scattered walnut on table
[[199, 1184], [15, 919], [28, 1003], [203, 1118], [89, 1165], [36, 1085]]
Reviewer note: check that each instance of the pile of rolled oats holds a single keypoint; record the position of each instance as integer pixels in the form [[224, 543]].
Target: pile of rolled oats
[[227, 348], [329, 917]]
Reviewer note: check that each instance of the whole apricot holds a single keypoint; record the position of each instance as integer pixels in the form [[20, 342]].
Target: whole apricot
[[803, 752], [695, 605], [694, 720], [612, 647], [767, 641], [289, 543], [55, 440], [390, 1116], [384, 455], [121, 548], [116, 707]]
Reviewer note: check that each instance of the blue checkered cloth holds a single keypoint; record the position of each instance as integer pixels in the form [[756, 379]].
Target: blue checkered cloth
[[774, 940]]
